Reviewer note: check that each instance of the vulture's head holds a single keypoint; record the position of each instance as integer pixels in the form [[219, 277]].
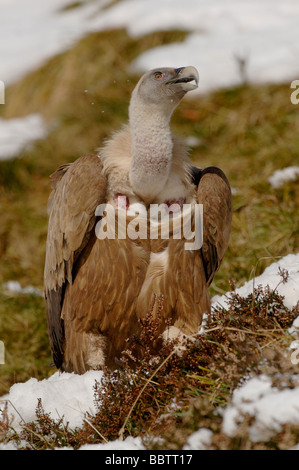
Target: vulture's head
[[153, 101], [161, 89]]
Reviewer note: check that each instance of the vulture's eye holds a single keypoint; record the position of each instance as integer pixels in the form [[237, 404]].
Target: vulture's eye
[[158, 75]]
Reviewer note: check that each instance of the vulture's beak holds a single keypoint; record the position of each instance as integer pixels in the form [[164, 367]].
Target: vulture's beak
[[187, 76]]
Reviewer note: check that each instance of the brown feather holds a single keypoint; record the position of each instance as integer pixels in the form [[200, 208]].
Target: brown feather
[[215, 194], [77, 190]]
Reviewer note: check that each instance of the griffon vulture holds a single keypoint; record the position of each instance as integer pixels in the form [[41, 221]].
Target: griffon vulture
[[97, 289]]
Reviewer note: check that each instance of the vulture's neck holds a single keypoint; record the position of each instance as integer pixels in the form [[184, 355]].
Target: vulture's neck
[[152, 147]]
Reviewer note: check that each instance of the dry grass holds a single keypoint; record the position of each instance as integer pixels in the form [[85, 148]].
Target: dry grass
[[247, 131]]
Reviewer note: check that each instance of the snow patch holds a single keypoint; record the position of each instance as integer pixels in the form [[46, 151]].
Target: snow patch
[[130, 443], [262, 35], [34, 31], [63, 395], [272, 278], [270, 406], [15, 288], [279, 177], [199, 440], [18, 133]]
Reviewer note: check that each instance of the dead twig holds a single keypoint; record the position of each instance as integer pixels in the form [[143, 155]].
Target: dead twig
[[121, 432]]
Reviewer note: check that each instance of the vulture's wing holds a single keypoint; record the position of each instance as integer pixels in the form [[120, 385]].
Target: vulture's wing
[[78, 188], [213, 191]]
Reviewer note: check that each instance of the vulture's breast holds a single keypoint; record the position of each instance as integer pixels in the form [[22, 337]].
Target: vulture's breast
[[154, 233]]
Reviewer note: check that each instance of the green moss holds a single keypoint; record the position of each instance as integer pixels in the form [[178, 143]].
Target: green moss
[[24, 334]]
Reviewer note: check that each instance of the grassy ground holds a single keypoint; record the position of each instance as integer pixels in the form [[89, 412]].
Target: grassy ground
[[84, 94]]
